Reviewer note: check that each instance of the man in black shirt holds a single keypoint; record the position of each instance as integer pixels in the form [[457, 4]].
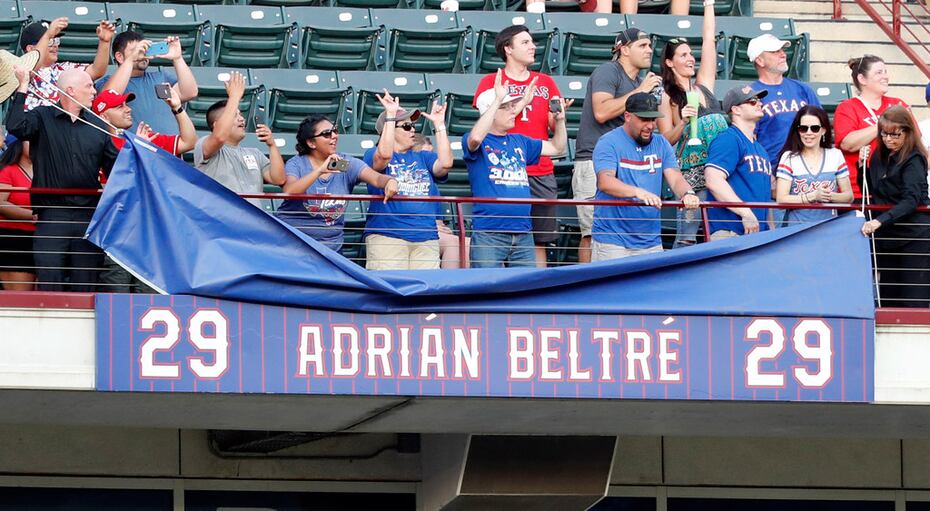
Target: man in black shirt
[[67, 152]]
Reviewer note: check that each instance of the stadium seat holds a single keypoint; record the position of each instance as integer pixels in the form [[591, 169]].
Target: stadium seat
[[484, 26], [353, 245], [158, 21], [356, 145], [458, 92], [722, 86], [423, 41], [338, 38], [587, 39], [654, 6], [832, 94], [741, 30], [409, 87], [464, 5], [293, 94], [210, 81], [247, 36], [723, 7], [376, 4], [457, 183], [573, 87], [291, 3], [664, 27], [285, 142], [79, 41], [12, 21]]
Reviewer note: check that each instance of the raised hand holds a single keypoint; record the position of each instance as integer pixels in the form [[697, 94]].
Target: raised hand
[[145, 131], [235, 86], [500, 86], [437, 114], [264, 135], [22, 74], [390, 103], [58, 25], [105, 31], [174, 49]]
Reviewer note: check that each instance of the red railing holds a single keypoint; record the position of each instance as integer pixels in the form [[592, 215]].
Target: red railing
[[900, 27]]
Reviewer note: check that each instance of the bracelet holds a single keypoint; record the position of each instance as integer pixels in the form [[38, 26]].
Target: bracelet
[[439, 130]]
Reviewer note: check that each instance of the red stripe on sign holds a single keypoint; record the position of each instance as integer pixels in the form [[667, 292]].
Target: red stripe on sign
[[898, 316], [46, 300]]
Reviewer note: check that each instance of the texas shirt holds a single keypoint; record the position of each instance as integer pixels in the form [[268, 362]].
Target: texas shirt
[[497, 168], [779, 107], [641, 166], [534, 120], [793, 169], [746, 165], [410, 221]]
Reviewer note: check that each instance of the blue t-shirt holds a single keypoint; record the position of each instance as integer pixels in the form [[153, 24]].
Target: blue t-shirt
[[779, 107], [749, 173], [322, 220], [410, 221], [147, 107], [636, 165], [498, 169]]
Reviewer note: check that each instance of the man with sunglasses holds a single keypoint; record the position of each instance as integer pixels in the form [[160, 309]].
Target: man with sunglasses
[[219, 155], [738, 168], [44, 37], [497, 161], [402, 235]]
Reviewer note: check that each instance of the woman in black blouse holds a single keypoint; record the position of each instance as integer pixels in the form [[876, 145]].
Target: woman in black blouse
[[897, 175]]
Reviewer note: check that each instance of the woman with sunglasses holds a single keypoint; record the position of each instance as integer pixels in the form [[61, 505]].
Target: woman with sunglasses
[[810, 169], [318, 169], [897, 175], [855, 119], [402, 235], [682, 80]]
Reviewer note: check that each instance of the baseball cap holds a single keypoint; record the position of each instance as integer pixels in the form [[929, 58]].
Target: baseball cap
[[764, 43], [402, 115], [487, 97], [630, 35], [109, 98], [32, 33], [643, 104], [739, 95]]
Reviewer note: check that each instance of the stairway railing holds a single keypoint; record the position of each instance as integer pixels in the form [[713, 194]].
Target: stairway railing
[[902, 28]]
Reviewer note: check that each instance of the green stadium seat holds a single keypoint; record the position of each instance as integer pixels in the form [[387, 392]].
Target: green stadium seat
[[409, 87], [338, 38], [293, 94], [356, 145], [664, 27], [210, 82], [723, 7], [376, 4], [291, 3], [722, 86], [79, 40], [587, 39], [464, 5], [832, 94], [12, 21], [423, 41], [484, 26], [573, 87], [457, 183], [741, 30], [458, 92], [285, 143], [353, 245], [654, 6], [159, 21], [250, 36]]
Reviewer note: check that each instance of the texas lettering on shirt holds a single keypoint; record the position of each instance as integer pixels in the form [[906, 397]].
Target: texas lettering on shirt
[[781, 106]]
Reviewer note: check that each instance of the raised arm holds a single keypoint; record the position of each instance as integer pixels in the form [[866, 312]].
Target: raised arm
[[105, 33], [55, 28], [437, 116], [275, 172], [119, 80], [483, 126], [559, 142], [25, 125], [187, 84], [707, 74], [385, 150], [235, 88], [187, 134]]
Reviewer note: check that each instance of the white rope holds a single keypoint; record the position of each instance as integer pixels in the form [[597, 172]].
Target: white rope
[[864, 169], [54, 105]]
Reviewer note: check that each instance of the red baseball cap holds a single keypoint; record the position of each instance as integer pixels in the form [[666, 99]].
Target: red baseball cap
[[109, 98]]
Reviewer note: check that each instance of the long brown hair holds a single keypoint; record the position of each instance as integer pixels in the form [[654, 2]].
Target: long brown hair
[[895, 118], [677, 96]]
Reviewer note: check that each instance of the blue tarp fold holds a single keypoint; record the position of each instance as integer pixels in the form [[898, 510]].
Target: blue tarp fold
[[186, 234]]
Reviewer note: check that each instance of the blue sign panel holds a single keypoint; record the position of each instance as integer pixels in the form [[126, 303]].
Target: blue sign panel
[[154, 343]]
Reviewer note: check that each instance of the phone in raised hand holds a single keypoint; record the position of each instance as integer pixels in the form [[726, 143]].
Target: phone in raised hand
[[156, 49]]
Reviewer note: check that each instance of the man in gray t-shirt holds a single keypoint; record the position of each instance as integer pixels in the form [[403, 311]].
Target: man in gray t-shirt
[[219, 155], [605, 101]]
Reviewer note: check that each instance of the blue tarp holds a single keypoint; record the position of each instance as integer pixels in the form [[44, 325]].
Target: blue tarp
[[186, 234]]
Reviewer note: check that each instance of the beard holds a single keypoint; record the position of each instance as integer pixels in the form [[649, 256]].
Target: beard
[[643, 140]]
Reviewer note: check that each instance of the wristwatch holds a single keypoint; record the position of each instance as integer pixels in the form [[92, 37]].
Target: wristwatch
[[179, 110], [690, 192]]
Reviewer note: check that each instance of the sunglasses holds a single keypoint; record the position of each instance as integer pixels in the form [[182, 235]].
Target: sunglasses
[[814, 128], [678, 40], [330, 133], [752, 101], [55, 41], [407, 126]]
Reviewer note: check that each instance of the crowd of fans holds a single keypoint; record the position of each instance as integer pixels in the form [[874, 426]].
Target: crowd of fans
[[767, 140]]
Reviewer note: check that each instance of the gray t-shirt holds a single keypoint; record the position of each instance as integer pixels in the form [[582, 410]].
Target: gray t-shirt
[[609, 77], [235, 167]]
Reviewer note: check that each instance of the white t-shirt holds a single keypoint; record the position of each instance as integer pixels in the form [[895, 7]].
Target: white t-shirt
[[924, 126]]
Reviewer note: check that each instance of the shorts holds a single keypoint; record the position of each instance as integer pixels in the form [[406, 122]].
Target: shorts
[[545, 224], [722, 235], [607, 251], [16, 251], [387, 253], [584, 187]]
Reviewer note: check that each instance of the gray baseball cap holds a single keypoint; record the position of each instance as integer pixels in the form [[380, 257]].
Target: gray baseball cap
[[741, 94]]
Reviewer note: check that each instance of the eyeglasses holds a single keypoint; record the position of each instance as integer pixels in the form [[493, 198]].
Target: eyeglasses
[[55, 41], [814, 128], [893, 136], [330, 133], [407, 126]]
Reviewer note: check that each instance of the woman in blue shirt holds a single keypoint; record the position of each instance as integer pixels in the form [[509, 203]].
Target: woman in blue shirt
[[310, 173]]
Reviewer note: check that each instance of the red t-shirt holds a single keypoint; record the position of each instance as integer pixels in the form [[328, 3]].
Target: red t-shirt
[[852, 115], [167, 142], [13, 175], [534, 121]]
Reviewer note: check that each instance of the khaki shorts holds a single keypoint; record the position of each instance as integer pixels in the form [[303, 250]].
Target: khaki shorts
[[584, 187], [386, 253], [608, 251], [722, 235]]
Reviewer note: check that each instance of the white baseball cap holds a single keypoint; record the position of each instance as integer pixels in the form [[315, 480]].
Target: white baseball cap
[[487, 97], [764, 43]]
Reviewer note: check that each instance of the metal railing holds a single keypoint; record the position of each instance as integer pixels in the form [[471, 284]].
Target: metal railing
[[904, 24], [453, 225]]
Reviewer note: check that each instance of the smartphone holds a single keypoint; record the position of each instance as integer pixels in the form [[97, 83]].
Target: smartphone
[[163, 90], [555, 106], [338, 165], [159, 48], [259, 119]]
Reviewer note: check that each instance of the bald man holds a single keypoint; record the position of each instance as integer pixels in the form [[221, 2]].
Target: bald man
[[69, 147]]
